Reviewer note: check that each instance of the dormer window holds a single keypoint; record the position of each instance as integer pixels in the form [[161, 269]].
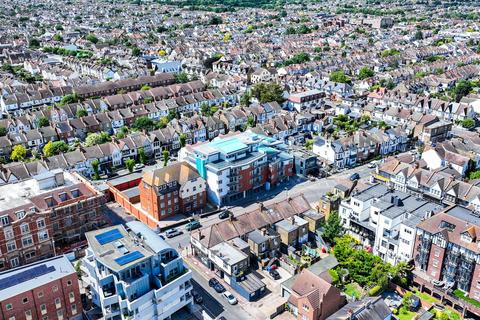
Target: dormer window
[[20, 214], [63, 196], [5, 220], [75, 193], [49, 201], [466, 237]]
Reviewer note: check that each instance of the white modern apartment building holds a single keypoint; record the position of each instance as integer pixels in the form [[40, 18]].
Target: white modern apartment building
[[239, 164], [134, 274], [385, 220]]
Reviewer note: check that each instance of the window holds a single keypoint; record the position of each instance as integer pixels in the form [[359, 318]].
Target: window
[[11, 246], [25, 228], [8, 233], [58, 304], [14, 262], [71, 296], [305, 307], [69, 283], [20, 214], [60, 314], [43, 235], [43, 308], [25, 300], [30, 255], [74, 309], [28, 314], [41, 223], [54, 288], [40, 294], [27, 241], [9, 306], [5, 220]]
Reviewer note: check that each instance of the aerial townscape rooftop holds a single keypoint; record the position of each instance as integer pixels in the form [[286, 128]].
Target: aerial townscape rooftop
[[239, 159]]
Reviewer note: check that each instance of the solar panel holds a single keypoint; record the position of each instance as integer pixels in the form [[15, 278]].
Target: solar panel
[[24, 276], [129, 258], [109, 236]]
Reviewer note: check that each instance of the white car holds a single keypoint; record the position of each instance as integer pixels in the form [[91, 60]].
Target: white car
[[230, 298], [138, 166]]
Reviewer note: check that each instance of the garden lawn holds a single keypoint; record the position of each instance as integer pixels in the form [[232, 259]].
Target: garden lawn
[[351, 290]]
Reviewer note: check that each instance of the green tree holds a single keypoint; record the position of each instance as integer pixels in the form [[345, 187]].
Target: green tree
[[418, 35], [92, 38], [54, 147], [144, 123], [162, 123], [142, 156], [122, 133], [69, 98], [96, 138], [250, 121], [227, 37], [33, 43], [43, 122], [57, 37], [468, 123], [166, 157], [245, 99], [130, 163], [332, 228], [183, 139], [339, 77], [3, 131], [136, 51], [18, 153], [215, 20], [145, 88], [365, 73], [78, 269], [268, 92], [462, 88], [95, 167], [181, 77]]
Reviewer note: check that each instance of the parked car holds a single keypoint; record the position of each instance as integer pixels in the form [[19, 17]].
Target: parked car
[[354, 177], [274, 274], [224, 214], [212, 282], [230, 298], [138, 166], [172, 233], [192, 225], [197, 298], [372, 164], [151, 162], [219, 287]]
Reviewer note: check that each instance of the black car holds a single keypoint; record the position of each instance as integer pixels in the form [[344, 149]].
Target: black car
[[223, 215], [196, 297], [219, 287], [354, 177], [274, 274], [212, 282]]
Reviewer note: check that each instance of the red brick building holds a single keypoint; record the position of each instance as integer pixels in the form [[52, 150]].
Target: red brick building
[[54, 209], [47, 289], [447, 251], [313, 297], [177, 188]]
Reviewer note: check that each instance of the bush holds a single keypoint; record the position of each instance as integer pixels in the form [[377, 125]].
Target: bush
[[374, 291]]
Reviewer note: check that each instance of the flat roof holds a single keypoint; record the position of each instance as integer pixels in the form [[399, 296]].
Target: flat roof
[[14, 195], [25, 278], [228, 253], [116, 248], [229, 145]]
